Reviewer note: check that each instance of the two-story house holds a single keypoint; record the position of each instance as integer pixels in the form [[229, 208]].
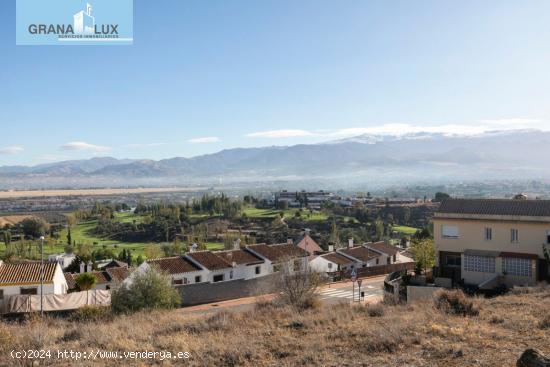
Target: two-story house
[[491, 242]]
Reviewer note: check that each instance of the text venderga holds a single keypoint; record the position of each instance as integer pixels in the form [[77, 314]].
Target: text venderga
[[68, 29]]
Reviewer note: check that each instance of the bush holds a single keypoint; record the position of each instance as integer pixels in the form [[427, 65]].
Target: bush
[[297, 287], [455, 302], [375, 310], [91, 314], [149, 289], [545, 323]]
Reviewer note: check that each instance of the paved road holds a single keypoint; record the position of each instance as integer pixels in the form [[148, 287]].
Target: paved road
[[329, 294], [372, 289]]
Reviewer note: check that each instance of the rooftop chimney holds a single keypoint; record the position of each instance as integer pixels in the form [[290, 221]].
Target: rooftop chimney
[[193, 247], [237, 244], [90, 267], [289, 241], [330, 248], [82, 267], [350, 242]]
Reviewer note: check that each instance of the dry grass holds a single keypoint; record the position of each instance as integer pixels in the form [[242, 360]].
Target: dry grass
[[13, 219], [274, 335]]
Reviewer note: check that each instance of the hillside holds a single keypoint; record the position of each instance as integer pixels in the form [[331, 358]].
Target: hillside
[[417, 335]]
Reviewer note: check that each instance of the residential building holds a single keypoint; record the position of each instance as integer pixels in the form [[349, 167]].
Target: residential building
[[218, 270], [64, 259], [24, 279], [362, 256], [105, 279], [390, 254], [490, 242], [277, 255], [308, 244], [331, 262], [180, 269], [245, 264]]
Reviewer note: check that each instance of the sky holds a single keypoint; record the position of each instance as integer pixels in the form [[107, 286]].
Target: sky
[[207, 75]]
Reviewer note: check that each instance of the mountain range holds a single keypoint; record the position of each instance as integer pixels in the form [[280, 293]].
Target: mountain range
[[411, 157]]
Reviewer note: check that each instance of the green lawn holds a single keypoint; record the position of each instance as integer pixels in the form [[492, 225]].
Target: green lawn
[[252, 212], [405, 230]]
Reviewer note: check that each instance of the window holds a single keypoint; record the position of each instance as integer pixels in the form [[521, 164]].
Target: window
[[377, 261], [107, 287], [548, 237], [218, 278], [488, 234], [30, 291], [482, 264], [258, 270], [1, 294], [231, 274], [452, 260], [177, 281], [329, 265], [449, 231], [185, 281], [198, 279], [394, 258], [518, 267], [388, 260], [514, 235]]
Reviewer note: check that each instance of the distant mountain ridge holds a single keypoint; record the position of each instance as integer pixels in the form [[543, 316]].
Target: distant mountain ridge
[[512, 154]]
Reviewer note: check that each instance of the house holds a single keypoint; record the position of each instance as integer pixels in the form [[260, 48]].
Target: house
[[308, 244], [180, 270], [218, 269], [390, 254], [245, 264], [64, 259], [105, 279], [24, 278], [362, 256], [490, 242], [331, 262], [277, 255], [112, 264]]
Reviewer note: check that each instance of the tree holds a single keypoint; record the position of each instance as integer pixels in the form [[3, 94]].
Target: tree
[[139, 260], [69, 238], [334, 238], [148, 289], [33, 227], [85, 281], [153, 251], [424, 254], [440, 196], [297, 286]]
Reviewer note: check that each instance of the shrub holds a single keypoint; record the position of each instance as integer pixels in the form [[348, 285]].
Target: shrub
[[375, 310], [91, 314], [149, 289], [545, 322], [455, 302], [297, 287], [85, 281]]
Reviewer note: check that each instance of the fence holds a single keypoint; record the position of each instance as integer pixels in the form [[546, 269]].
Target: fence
[[55, 302], [375, 270]]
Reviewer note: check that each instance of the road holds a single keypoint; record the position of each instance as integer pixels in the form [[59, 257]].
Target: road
[[329, 294]]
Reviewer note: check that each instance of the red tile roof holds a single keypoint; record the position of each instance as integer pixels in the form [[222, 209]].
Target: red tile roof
[[337, 258], [208, 260], [240, 257], [27, 272], [174, 265], [360, 253], [383, 247], [278, 253], [510, 207], [118, 274], [308, 244]]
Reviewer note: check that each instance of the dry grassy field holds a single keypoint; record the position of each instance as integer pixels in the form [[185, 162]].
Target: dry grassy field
[[92, 192], [411, 335], [12, 219]]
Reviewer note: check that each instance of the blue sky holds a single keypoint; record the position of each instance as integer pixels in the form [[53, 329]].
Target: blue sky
[[206, 75]]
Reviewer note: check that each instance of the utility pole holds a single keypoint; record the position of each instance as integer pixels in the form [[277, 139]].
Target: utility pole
[[42, 276]]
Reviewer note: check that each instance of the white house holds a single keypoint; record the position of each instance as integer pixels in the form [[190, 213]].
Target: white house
[[218, 270], [179, 268], [24, 278], [245, 264], [390, 254], [64, 260], [362, 256], [331, 262], [276, 255]]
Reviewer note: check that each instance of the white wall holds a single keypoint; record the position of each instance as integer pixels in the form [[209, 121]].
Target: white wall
[[321, 264]]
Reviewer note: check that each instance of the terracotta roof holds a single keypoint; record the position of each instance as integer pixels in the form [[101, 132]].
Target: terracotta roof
[[383, 247], [174, 265], [277, 253], [360, 253], [101, 277], [209, 260], [118, 274], [337, 258], [27, 272], [115, 264], [71, 283], [308, 244], [240, 257], [511, 207]]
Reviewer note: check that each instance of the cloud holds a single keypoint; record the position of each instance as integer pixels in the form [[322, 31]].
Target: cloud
[[13, 150], [80, 145], [208, 139], [400, 129], [285, 133]]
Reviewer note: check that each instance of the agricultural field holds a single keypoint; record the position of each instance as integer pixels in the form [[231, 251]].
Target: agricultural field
[[306, 215]]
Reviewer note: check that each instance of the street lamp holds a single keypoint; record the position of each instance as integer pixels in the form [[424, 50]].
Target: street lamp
[[42, 276]]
